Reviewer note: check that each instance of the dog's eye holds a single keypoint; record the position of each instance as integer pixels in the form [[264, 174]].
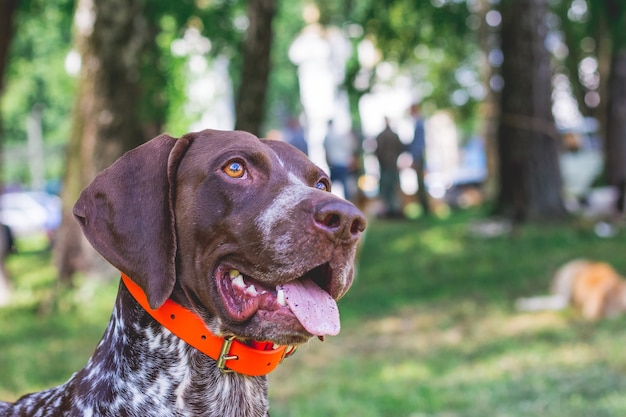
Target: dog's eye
[[235, 169], [323, 185]]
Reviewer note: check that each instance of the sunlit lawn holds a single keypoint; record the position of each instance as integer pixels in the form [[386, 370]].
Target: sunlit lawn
[[429, 329], [44, 340]]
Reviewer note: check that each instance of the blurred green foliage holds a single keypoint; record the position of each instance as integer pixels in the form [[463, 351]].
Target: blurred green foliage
[[433, 41], [36, 72]]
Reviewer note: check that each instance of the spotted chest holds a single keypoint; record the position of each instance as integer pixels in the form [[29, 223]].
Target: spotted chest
[[141, 369]]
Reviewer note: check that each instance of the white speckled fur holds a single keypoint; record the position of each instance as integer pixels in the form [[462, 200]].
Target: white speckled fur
[[280, 209], [141, 370], [193, 220]]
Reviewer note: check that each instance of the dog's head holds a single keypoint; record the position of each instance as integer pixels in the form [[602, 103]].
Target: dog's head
[[244, 232]]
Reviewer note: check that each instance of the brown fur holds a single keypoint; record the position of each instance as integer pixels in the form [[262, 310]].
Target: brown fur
[[178, 215], [596, 289]]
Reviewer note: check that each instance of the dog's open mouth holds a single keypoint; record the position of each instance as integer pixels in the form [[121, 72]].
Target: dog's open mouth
[[305, 298]]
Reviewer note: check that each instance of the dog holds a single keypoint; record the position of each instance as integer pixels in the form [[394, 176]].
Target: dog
[[232, 251], [595, 289]]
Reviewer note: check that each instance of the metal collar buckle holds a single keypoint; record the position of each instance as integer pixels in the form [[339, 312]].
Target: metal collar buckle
[[225, 356], [254, 359]]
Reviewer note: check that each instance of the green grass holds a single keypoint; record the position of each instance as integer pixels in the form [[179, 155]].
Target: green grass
[[46, 334], [429, 329]]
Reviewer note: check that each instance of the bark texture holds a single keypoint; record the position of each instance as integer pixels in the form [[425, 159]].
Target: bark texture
[[251, 96], [616, 125], [530, 179], [111, 36]]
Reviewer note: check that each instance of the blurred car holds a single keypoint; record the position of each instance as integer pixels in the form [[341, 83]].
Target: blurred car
[[30, 212]]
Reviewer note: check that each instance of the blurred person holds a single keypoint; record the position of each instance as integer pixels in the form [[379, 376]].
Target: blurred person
[[418, 152], [388, 149], [339, 157], [294, 135]]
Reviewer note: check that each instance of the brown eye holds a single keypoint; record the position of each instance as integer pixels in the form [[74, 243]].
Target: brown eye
[[235, 169], [323, 185]]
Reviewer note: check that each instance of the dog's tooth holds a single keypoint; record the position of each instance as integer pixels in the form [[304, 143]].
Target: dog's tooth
[[275, 346], [280, 297], [233, 273], [239, 282], [251, 290]]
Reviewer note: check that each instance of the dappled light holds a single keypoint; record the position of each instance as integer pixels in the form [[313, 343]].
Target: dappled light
[[483, 140], [463, 351]]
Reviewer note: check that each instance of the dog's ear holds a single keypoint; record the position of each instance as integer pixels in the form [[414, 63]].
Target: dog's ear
[[127, 214]]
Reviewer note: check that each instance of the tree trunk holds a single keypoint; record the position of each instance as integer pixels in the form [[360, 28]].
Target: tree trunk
[[615, 145], [530, 179], [110, 36], [7, 12], [250, 103]]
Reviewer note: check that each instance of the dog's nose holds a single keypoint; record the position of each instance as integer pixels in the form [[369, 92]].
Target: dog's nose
[[340, 220]]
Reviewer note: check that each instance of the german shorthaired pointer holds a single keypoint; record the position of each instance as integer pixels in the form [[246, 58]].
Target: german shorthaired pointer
[[232, 251]]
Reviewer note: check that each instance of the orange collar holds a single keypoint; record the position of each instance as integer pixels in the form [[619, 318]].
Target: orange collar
[[259, 359]]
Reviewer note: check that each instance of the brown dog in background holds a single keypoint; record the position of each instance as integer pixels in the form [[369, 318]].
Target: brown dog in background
[[593, 288]]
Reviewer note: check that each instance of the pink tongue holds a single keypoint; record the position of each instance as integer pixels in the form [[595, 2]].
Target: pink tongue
[[315, 309]]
